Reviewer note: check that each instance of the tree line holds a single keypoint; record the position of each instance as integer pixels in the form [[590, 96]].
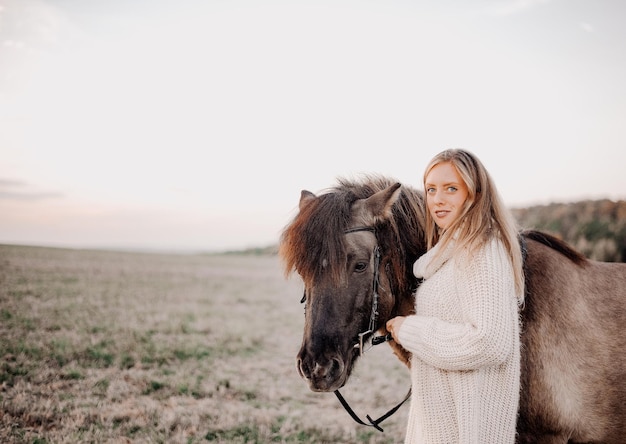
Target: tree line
[[596, 228]]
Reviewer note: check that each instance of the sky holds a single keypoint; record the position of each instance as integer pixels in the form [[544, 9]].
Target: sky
[[193, 125]]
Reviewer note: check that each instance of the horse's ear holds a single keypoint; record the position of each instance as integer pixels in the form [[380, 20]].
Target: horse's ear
[[305, 198], [378, 206]]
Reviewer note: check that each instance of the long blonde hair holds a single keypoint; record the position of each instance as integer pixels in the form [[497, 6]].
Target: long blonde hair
[[484, 214]]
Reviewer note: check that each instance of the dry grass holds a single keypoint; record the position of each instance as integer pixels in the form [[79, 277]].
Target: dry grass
[[115, 347]]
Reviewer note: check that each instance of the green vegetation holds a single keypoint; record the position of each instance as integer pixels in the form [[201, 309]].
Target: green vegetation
[[597, 228]]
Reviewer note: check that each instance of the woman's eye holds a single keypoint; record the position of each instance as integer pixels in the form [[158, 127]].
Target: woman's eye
[[360, 267], [452, 189], [430, 190]]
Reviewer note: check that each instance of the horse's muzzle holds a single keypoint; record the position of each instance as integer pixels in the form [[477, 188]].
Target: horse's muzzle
[[324, 375]]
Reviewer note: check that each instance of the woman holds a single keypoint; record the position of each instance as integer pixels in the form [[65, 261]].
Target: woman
[[464, 336]]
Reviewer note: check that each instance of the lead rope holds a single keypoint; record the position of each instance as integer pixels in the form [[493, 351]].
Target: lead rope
[[372, 422]]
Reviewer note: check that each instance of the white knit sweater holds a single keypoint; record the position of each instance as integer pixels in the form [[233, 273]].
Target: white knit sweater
[[464, 340]]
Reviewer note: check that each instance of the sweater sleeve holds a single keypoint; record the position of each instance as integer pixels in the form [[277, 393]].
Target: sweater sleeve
[[485, 335]]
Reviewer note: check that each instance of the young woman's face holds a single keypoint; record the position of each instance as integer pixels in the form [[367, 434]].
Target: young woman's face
[[445, 194]]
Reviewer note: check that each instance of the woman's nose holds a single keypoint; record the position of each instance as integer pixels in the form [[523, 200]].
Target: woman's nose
[[437, 197]]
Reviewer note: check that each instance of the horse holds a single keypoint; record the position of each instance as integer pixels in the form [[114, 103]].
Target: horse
[[354, 246]]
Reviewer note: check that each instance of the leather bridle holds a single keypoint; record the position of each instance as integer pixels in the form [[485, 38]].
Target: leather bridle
[[375, 283], [375, 340]]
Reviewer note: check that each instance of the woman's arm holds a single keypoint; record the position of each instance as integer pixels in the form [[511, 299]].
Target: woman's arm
[[488, 307]]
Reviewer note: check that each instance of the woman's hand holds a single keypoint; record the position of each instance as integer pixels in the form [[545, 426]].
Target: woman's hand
[[393, 326]]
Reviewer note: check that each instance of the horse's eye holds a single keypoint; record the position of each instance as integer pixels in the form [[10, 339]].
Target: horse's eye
[[360, 267]]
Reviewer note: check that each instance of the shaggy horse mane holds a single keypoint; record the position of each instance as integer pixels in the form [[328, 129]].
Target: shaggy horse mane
[[315, 237]]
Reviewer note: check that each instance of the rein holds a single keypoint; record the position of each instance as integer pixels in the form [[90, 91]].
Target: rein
[[375, 341], [372, 422]]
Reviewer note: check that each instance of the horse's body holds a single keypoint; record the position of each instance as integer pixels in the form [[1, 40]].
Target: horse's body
[[573, 385]]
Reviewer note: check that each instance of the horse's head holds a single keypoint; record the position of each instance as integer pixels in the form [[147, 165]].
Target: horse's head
[[348, 247]]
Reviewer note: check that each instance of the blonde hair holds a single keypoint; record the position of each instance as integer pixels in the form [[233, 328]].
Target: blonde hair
[[484, 214]]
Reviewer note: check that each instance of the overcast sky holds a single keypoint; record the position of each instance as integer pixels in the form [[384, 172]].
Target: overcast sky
[[195, 124]]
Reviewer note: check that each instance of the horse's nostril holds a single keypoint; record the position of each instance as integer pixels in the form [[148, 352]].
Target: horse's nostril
[[303, 369]]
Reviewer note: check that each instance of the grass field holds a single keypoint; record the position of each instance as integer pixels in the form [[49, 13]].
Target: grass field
[[99, 346]]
